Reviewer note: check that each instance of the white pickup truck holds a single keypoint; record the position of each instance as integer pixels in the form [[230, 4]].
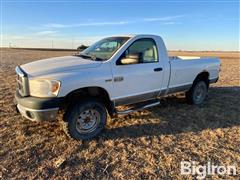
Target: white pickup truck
[[115, 71]]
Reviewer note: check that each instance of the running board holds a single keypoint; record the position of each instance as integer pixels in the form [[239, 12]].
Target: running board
[[139, 107]]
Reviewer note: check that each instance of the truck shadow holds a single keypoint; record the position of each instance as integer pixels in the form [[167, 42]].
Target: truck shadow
[[220, 110]]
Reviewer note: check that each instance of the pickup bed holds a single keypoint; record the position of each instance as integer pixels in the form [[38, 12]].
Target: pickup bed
[[115, 71]]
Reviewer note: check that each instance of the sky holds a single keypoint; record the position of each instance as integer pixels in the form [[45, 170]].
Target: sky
[[183, 24]]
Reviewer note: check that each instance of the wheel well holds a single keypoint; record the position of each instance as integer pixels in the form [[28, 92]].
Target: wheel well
[[202, 76], [87, 93]]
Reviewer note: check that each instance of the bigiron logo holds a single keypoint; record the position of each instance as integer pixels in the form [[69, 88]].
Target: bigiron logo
[[201, 171]]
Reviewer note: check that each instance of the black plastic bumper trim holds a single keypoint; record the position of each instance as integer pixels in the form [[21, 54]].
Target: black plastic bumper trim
[[38, 103]]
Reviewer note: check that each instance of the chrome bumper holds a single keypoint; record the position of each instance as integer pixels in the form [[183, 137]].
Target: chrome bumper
[[38, 115]]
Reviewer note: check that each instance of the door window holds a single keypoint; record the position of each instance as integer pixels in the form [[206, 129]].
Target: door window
[[141, 51]]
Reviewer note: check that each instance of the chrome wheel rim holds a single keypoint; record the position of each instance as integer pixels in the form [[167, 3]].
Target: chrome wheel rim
[[87, 121], [200, 92]]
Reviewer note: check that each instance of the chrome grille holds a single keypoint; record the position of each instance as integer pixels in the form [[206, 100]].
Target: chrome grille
[[22, 82]]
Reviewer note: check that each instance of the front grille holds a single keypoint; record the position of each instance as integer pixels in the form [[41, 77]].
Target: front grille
[[22, 82], [20, 85]]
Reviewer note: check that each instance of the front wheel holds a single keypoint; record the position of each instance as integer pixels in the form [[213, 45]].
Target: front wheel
[[198, 93], [86, 120]]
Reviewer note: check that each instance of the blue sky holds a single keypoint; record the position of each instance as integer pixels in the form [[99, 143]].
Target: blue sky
[[185, 25]]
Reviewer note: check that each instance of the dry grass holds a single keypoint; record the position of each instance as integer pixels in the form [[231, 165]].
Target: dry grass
[[146, 144]]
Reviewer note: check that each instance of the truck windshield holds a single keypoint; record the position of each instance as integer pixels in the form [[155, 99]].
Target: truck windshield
[[104, 49]]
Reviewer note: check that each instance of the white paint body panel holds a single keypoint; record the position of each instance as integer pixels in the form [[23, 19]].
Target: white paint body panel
[[185, 71], [75, 72], [140, 78]]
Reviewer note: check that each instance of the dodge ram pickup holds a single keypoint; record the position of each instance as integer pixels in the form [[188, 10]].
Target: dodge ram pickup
[[121, 70]]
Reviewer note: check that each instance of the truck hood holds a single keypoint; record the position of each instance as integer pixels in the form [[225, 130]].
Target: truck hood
[[58, 64]]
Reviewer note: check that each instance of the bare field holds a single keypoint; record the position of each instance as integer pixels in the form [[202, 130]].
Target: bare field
[[142, 145]]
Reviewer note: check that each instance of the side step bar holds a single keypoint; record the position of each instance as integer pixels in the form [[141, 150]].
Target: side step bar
[[140, 107]]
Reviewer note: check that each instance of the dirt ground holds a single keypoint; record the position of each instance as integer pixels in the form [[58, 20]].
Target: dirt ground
[[142, 145]]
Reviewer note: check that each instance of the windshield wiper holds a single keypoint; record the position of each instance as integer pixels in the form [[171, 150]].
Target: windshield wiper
[[89, 56]]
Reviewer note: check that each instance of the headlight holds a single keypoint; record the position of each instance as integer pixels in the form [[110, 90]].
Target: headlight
[[44, 87]]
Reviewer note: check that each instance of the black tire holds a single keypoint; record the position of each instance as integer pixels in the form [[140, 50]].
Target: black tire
[[82, 114], [196, 95]]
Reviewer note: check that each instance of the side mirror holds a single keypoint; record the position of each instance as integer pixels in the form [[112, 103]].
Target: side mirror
[[130, 59]]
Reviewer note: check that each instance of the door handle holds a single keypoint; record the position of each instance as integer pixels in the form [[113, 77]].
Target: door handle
[[158, 69]]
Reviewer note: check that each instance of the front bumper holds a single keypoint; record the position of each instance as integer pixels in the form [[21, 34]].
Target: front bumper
[[38, 115], [38, 109]]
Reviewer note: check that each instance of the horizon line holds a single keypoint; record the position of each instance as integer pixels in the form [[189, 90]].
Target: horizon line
[[47, 48]]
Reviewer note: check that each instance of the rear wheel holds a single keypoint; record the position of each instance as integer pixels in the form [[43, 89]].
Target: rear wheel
[[86, 120], [198, 92]]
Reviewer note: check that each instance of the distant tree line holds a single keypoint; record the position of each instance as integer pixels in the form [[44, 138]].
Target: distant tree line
[[82, 47]]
